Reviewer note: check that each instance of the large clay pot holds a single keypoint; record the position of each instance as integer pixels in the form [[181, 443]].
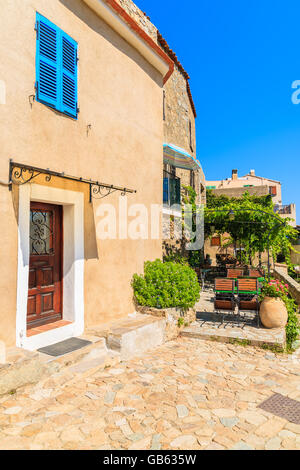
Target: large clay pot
[[273, 313]]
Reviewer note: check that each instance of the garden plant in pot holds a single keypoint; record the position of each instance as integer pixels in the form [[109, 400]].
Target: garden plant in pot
[[273, 311]]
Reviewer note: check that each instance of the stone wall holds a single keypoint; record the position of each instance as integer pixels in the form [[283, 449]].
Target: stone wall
[[294, 287], [178, 112], [172, 316], [140, 17], [179, 118], [180, 129]]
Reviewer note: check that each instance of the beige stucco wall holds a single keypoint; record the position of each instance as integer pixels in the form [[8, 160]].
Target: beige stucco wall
[[289, 212], [123, 146], [249, 179]]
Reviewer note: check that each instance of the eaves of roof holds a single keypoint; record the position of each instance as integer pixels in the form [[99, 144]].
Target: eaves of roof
[[114, 15], [180, 67]]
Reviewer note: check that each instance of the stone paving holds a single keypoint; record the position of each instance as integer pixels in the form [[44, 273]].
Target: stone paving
[[209, 326], [187, 394]]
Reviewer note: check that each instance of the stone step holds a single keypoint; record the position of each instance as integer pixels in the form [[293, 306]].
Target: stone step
[[133, 335], [26, 367], [246, 336], [121, 340]]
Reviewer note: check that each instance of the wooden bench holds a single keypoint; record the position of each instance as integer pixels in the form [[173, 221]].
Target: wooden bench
[[235, 273]]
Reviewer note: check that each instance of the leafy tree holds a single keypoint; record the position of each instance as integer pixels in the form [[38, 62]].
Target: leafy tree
[[255, 226]]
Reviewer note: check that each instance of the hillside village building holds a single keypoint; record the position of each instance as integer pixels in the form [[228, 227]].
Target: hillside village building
[[89, 117], [255, 185]]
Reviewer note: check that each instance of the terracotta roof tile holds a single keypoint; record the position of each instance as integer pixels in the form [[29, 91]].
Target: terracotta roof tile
[[163, 43]]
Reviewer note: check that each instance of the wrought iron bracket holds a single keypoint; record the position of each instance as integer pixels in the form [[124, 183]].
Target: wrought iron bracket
[[20, 174]]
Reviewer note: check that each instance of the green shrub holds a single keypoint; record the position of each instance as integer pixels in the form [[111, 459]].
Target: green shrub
[[196, 258], [175, 257], [166, 285], [293, 327], [274, 288], [277, 289]]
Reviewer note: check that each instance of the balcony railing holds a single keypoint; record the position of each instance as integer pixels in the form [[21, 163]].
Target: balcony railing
[[171, 190]]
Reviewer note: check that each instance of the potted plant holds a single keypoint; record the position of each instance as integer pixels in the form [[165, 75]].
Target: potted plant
[[273, 311]]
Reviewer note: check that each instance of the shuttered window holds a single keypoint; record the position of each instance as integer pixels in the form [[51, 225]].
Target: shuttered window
[[56, 68]]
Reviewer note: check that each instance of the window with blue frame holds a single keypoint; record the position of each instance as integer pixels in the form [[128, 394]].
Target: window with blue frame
[[56, 68]]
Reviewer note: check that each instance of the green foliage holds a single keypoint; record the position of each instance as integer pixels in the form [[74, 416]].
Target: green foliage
[[175, 257], [166, 285], [293, 328], [277, 289], [190, 196], [274, 288], [213, 200], [255, 226], [180, 322], [275, 348], [196, 258]]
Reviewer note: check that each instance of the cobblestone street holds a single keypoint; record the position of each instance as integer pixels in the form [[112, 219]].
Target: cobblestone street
[[187, 394]]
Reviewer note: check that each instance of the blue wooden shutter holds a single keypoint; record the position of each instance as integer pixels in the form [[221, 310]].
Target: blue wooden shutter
[[69, 75], [56, 68], [47, 62]]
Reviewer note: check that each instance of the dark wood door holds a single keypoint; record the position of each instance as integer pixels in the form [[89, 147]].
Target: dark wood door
[[45, 267]]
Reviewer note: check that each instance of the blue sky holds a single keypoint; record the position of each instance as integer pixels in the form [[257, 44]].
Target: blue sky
[[242, 56]]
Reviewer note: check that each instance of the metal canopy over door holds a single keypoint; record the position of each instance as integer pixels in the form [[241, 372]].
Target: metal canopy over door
[[45, 266]]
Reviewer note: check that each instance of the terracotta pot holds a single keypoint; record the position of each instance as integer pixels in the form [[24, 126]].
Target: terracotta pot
[[273, 313]]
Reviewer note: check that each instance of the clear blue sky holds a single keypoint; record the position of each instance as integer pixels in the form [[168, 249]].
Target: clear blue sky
[[242, 56]]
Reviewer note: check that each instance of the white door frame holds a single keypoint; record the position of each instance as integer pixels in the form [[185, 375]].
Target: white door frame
[[73, 264]]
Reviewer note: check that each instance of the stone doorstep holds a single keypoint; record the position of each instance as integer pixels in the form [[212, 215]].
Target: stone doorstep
[[111, 343], [26, 367], [263, 337], [134, 335]]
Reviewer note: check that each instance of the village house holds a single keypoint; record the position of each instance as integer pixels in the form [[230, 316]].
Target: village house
[[82, 125], [182, 168], [254, 185]]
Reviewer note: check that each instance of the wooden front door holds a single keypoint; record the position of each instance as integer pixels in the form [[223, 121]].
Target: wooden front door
[[45, 266]]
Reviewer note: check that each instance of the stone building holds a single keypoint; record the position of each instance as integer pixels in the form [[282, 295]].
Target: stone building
[[255, 185], [181, 168], [77, 130]]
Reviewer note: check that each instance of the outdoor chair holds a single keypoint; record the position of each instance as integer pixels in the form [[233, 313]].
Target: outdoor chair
[[224, 301], [247, 298], [254, 272], [235, 273]]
